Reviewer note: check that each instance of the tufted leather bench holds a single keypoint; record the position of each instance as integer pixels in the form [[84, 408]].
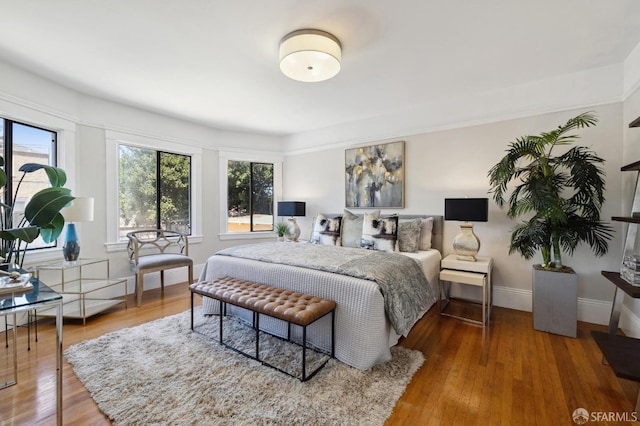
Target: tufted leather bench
[[294, 308]]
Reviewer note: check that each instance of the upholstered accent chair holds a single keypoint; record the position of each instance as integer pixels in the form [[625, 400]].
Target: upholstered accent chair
[[156, 250]]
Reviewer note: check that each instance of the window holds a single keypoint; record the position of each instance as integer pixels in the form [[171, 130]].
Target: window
[[250, 183], [249, 196], [154, 190], [19, 144]]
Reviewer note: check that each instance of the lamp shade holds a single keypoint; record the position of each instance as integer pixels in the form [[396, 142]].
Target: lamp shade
[[310, 55], [291, 208], [80, 210], [466, 209]]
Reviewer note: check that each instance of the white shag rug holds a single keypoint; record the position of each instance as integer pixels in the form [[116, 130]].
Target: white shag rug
[[162, 373]]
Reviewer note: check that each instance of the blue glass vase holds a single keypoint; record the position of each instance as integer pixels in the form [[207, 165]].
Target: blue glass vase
[[71, 247]]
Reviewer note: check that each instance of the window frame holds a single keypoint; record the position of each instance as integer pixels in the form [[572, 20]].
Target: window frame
[[158, 160], [226, 155], [65, 157], [8, 145], [113, 141]]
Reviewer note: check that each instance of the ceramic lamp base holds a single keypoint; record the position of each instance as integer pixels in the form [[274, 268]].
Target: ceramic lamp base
[[293, 233], [466, 244]]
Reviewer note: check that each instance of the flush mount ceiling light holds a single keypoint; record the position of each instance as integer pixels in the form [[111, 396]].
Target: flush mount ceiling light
[[310, 55]]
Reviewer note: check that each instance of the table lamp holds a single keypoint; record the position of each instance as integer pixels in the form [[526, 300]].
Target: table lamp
[[466, 244], [293, 209], [80, 210]]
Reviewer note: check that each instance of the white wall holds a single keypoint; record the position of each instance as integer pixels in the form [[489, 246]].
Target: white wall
[[455, 163]]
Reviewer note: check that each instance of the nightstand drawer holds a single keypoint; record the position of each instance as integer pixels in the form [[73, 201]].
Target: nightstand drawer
[[471, 278]]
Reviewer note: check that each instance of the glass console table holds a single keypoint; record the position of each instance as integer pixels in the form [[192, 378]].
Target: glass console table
[[83, 284], [38, 297]]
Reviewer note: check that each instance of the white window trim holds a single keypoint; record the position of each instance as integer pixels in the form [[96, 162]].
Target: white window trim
[[113, 140], [224, 156], [66, 158]]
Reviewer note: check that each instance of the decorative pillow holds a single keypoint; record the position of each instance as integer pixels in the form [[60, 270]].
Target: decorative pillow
[[351, 228], [326, 231], [379, 233], [425, 234], [409, 235]]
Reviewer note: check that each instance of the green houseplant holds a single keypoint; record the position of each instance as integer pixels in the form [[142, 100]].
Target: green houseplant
[[281, 229], [41, 215], [558, 195]]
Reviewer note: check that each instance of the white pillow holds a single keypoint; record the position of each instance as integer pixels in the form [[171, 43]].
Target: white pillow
[[426, 231]]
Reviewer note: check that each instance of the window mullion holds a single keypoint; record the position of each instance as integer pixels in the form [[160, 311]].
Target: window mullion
[[158, 195]]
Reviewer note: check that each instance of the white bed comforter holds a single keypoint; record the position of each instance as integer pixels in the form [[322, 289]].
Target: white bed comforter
[[363, 331]]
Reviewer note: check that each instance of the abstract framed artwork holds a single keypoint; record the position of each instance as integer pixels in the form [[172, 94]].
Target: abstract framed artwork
[[374, 176]]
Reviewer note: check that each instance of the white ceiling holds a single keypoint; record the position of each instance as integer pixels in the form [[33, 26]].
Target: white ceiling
[[215, 62]]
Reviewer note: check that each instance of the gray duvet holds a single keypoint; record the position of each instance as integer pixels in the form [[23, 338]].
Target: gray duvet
[[401, 280]]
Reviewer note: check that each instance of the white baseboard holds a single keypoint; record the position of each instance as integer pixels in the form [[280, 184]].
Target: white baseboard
[[630, 323], [589, 310]]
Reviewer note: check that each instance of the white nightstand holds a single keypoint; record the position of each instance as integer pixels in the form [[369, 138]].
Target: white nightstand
[[476, 274]]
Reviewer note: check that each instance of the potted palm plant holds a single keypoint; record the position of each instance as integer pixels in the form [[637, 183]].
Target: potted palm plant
[[559, 196], [41, 215]]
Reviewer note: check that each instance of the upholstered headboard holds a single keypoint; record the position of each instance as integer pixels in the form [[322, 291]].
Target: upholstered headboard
[[436, 238]]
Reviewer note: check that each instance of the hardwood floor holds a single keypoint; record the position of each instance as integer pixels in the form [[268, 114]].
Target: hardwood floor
[[511, 375]]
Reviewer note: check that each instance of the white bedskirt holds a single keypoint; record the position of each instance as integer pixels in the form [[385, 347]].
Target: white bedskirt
[[364, 335]]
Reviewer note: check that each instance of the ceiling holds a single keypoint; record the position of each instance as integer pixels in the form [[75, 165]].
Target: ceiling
[[215, 62]]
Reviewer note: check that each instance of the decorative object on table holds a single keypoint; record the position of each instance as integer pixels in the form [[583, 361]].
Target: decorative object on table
[[374, 176], [41, 215], [310, 55], [12, 283], [561, 195], [80, 210], [466, 244], [129, 392], [281, 230], [293, 209]]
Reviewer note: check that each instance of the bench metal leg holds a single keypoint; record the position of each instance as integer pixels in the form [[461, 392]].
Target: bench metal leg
[[304, 353], [333, 334], [257, 321], [222, 306]]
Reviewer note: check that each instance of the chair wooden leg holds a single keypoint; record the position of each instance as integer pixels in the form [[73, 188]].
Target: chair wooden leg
[[190, 278], [162, 282], [139, 287]]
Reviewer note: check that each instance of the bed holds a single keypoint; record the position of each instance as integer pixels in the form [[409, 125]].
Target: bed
[[365, 331]]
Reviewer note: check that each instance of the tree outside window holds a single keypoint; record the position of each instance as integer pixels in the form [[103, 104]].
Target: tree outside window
[[155, 190], [249, 196]]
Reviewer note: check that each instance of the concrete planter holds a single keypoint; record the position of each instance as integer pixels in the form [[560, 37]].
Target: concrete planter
[[555, 302]]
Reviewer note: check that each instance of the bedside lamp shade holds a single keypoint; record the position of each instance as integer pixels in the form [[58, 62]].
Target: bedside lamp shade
[[466, 244], [292, 209], [80, 210]]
